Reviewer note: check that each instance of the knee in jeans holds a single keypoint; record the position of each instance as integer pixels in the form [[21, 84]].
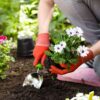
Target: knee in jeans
[[75, 1], [96, 65]]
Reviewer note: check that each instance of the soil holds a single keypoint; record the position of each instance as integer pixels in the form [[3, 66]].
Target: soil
[[52, 89]]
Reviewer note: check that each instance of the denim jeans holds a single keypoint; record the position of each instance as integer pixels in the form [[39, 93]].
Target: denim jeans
[[85, 14]]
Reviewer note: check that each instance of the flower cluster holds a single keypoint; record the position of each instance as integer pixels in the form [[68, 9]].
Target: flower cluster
[[27, 29], [76, 31], [59, 47], [66, 48], [2, 39], [25, 33], [81, 96], [23, 13]]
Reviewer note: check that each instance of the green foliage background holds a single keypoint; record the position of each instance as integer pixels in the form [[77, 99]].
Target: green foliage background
[[5, 58], [9, 18]]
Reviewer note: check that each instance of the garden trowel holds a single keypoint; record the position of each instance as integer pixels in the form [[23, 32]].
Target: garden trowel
[[34, 79]]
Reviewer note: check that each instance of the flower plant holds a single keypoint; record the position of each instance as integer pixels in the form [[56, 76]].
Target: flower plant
[[5, 57], [82, 96], [66, 48], [28, 20], [25, 33]]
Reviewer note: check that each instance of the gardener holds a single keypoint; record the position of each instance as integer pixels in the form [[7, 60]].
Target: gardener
[[81, 13]]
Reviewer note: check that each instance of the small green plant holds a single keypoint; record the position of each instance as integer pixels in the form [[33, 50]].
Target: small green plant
[[5, 58]]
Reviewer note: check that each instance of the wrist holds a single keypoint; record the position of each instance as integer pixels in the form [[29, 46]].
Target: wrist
[[43, 39], [96, 48], [43, 33]]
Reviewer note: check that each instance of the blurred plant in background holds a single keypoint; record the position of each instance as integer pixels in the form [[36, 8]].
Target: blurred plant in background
[[19, 15], [28, 20], [59, 23], [5, 58], [9, 17]]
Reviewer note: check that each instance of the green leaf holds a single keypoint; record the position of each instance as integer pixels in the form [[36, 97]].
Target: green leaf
[[91, 94], [48, 53]]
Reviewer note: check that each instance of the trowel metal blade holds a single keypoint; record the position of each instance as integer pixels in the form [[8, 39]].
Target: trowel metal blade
[[33, 79]]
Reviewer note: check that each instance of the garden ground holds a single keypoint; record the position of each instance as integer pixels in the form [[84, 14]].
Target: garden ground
[[11, 88]]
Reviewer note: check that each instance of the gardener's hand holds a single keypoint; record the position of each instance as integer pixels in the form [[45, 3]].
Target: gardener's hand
[[65, 69], [42, 44], [55, 70]]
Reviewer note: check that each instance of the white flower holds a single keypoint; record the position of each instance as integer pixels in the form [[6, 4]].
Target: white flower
[[58, 48], [25, 33], [79, 95], [96, 98], [79, 31], [87, 95], [83, 51], [63, 44], [82, 98], [74, 98], [70, 32], [22, 17], [82, 39]]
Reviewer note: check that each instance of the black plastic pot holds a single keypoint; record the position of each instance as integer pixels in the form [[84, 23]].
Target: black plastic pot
[[25, 47]]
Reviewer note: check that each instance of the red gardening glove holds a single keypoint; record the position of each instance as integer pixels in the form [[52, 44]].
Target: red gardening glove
[[55, 70], [63, 70], [42, 44]]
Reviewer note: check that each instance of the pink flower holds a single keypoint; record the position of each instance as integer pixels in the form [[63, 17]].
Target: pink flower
[[2, 39]]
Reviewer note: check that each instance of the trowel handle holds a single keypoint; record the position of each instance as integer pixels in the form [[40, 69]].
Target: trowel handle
[[39, 66]]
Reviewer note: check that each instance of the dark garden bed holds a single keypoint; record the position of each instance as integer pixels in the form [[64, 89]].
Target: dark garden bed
[[11, 88]]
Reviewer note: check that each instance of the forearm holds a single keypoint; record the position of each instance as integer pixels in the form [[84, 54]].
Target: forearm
[[96, 48], [44, 15]]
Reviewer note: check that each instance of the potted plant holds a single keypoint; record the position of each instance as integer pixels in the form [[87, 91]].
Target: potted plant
[[27, 30], [25, 43], [65, 49]]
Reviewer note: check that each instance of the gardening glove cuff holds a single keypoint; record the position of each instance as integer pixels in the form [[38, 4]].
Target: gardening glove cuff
[[43, 40]]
